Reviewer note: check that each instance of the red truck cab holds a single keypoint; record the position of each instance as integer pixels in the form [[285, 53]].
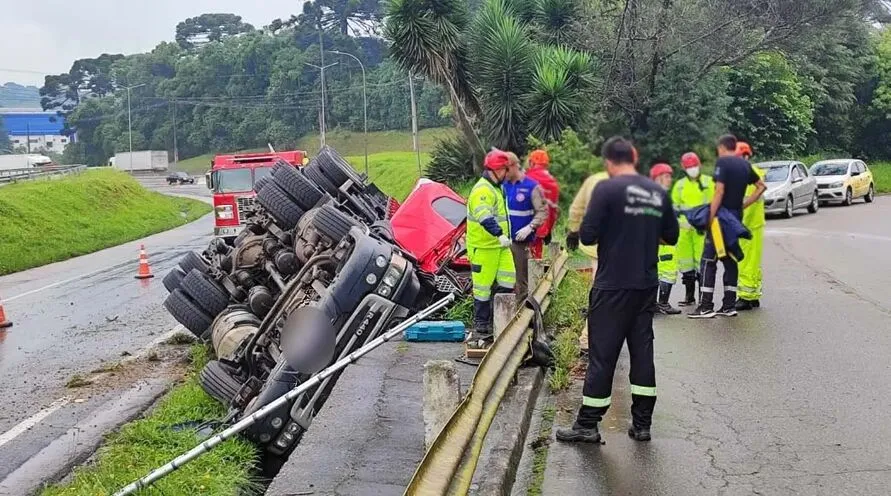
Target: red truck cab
[[232, 179]]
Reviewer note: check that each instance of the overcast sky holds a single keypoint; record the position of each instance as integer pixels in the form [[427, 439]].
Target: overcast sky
[[39, 37]]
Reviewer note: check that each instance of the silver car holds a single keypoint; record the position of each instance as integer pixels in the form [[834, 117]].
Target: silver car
[[789, 187]]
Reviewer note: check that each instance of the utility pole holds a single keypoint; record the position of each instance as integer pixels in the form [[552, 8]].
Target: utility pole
[[175, 149], [416, 146], [130, 123], [322, 123], [364, 102]]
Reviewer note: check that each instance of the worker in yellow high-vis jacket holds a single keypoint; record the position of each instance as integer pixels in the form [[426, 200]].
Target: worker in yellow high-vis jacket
[[749, 295], [577, 212], [488, 241], [694, 190]]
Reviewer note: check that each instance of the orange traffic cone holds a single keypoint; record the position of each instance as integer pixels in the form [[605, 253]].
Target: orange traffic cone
[[144, 271], [3, 322]]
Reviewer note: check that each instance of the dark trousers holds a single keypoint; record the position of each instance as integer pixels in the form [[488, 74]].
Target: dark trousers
[[520, 252], [710, 273], [615, 317]]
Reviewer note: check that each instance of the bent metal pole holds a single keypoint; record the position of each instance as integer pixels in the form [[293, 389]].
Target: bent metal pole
[[315, 380]]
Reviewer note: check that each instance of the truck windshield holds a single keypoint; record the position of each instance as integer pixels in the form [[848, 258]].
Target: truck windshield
[[233, 181], [261, 172]]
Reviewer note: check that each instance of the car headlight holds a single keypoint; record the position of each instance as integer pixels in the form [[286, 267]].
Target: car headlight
[[838, 184], [225, 212]]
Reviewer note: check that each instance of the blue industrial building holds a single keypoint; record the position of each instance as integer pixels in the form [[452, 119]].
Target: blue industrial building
[[35, 130]]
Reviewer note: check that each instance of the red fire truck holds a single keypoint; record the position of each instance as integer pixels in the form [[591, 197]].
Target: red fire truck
[[232, 179]]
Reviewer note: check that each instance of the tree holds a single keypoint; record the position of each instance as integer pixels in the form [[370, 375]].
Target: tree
[[86, 78], [209, 27], [503, 77], [769, 107]]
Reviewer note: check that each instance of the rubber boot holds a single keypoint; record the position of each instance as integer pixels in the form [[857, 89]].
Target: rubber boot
[[665, 307], [690, 289], [482, 317]]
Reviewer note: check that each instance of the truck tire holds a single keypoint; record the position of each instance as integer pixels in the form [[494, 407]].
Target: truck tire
[[263, 181], [174, 279], [209, 295], [193, 260], [333, 223], [217, 381], [280, 206], [336, 168], [315, 174], [188, 313], [294, 183]]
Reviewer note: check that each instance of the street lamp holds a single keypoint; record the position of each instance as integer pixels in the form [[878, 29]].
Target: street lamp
[[322, 69], [130, 122], [364, 101]]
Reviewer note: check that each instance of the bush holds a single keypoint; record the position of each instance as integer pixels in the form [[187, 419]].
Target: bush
[[571, 163], [451, 162]]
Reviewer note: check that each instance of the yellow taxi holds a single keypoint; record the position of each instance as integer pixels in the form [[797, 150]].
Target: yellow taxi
[[843, 181]]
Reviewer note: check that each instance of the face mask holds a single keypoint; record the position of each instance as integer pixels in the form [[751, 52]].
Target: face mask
[[692, 172]]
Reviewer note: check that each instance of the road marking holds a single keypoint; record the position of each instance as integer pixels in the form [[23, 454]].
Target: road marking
[[33, 420], [59, 283], [797, 231]]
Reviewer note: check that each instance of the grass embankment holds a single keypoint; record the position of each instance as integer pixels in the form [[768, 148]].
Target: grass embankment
[[395, 173], [566, 319], [48, 221], [346, 143], [150, 442]]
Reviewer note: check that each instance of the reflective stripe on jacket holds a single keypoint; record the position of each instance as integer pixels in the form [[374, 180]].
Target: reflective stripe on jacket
[[486, 201], [521, 208], [691, 193]]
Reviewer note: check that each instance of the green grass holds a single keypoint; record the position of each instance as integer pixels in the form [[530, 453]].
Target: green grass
[[346, 143], [565, 318], [540, 448], [148, 443], [52, 220], [395, 173]]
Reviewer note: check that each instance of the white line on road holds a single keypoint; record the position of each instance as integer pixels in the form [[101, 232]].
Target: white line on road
[[58, 283], [797, 231], [33, 420]]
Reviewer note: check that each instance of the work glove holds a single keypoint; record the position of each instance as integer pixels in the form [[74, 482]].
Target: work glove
[[505, 241], [524, 233], [572, 241]]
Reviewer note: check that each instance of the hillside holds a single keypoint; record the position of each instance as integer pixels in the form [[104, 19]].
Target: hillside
[[16, 95], [49, 221]]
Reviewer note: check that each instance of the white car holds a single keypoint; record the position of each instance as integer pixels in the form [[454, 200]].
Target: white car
[[841, 181]]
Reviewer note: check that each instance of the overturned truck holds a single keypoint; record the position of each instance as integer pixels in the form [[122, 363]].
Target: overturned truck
[[322, 247]]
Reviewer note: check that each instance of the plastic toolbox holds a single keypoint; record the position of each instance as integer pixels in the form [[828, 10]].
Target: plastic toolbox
[[436, 331]]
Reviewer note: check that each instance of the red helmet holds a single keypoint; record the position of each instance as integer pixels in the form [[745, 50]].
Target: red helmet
[[690, 160], [743, 149], [497, 160], [659, 169]]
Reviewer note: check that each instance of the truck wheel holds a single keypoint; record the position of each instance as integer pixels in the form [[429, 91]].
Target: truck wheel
[[193, 260], [314, 173], [206, 293], [218, 381], [282, 208], [336, 168], [188, 313], [173, 279], [293, 182], [333, 223], [263, 181]]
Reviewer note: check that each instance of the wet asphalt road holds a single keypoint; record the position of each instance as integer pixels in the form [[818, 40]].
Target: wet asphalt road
[[790, 399], [74, 317]]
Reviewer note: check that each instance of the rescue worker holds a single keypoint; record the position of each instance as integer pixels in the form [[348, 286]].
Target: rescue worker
[[733, 175], [538, 164], [749, 295], [527, 210], [488, 241], [576, 213], [627, 218], [668, 264], [691, 191]]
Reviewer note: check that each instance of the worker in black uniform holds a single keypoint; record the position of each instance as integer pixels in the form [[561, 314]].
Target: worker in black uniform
[[628, 217]]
